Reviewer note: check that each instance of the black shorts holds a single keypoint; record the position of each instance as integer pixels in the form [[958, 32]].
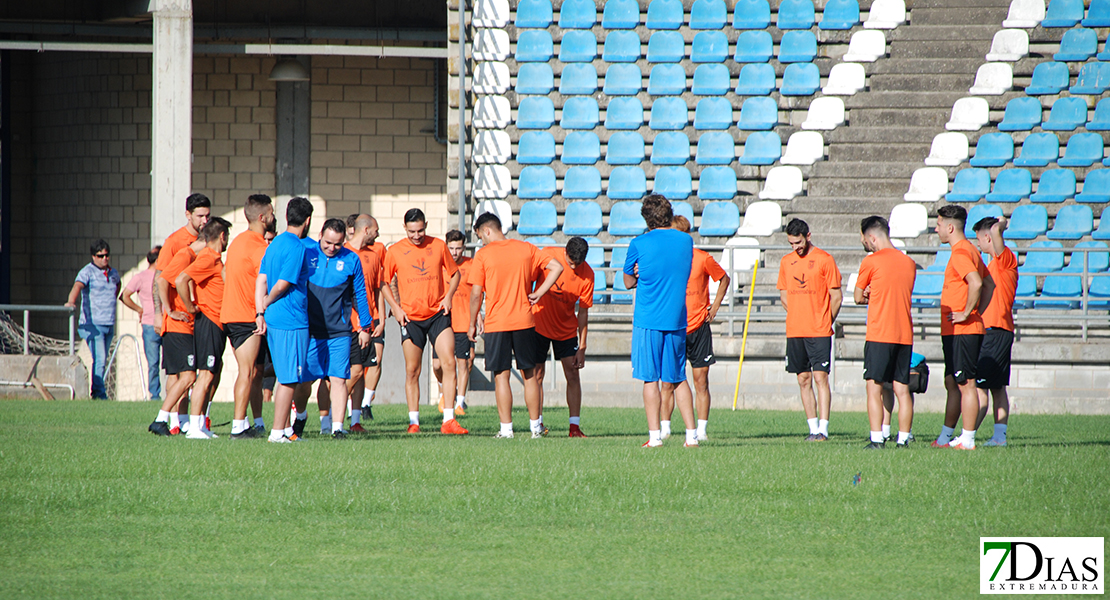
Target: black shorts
[[503, 346], [808, 354], [210, 341], [994, 359], [178, 353], [887, 363], [463, 346], [237, 333], [419, 332], [961, 356], [367, 357], [699, 347], [561, 348]]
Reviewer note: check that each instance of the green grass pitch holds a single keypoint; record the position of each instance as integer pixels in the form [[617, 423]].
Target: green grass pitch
[[93, 506]]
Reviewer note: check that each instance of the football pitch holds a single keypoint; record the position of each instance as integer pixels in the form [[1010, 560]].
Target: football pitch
[[92, 505]]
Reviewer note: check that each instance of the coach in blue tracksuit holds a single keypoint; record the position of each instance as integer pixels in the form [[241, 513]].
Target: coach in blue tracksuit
[[335, 285]]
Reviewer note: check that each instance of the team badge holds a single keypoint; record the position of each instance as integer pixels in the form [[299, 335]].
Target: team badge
[[339, 266]]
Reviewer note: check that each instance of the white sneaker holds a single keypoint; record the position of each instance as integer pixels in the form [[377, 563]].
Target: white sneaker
[[652, 444], [503, 436], [198, 434], [702, 436], [541, 432], [663, 436], [280, 440]]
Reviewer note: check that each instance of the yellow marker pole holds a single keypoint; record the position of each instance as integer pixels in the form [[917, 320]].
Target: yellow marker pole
[[744, 339]]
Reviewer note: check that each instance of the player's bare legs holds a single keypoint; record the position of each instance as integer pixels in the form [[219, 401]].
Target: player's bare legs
[[413, 366], [249, 377], [905, 409], [574, 386], [652, 403], [875, 405]]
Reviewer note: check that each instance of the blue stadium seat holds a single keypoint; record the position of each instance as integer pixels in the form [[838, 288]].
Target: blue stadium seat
[[667, 80], [1049, 78], [534, 46], [1073, 222], [970, 185], [711, 80], [624, 113], [762, 148], [535, 113], [1063, 13], [536, 183], [621, 46], [839, 15], [673, 183], [578, 78], [1098, 14], [578, 46], [1066, 115], [537, 217], [535, 78], [670, 148], [719, 219], [577, 14], [1097, 262], [623, 80], [708, 14], [754, 47], [977, 213], [535, 148], [716, 148], [1101, 119], [1011, 185], [683, 209], [625, 148], [579, 113], [756, 80], [618, 287], [664, 14], [627, 183], [713, 113], [533, 13], [581, 148], [751, 14], [582, 183], [599, 282], [993, 150], [1103, 231], [1027, 222], [1077, 45], [927, 284], [595, 256], [800, 79], [621, 14], [619, 255], [669, 114], [797, 47], [1055, 185], [1066, 291], [666, 47], [1036, 262], [542, 241], [582, 218], [1093, 79], [717, 183], [796, 14], [1022, 114], [1096, 187], [759, 114], [709, 47], [1039, 150], [1083, 150], [625, 219], [944, 251]]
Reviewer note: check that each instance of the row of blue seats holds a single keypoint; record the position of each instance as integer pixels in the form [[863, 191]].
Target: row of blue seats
[[627, 182], [1030, 221], [1079, 45], [1051, 78], [1066, 114], [666, 47], [671, 114], [798, 79], [1015, 185], [584, 218], [1069, 13], [618, 293], [628, 148], [704, 14], [1038, 150]]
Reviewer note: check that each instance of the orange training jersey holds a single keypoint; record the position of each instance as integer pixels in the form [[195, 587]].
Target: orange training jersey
[[554, 313], [420, 271], [1000, 311], [173, 244], [697, 289], [891, 275], [460, 302], [176, 265], [953, 298], [207, 273], [371, 259], [244, 256], [807, 281], [506, 270]]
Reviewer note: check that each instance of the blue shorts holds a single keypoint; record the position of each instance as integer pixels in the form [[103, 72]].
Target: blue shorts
[[329, 358], [659, 355], [289, 353]]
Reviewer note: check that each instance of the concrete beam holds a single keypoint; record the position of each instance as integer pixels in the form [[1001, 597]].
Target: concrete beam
[[249, 49], [172, 117]]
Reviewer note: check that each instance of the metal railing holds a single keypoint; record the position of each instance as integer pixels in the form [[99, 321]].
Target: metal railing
[[27, 309]]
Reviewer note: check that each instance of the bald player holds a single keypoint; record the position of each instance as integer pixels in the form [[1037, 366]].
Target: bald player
[[362, 235]]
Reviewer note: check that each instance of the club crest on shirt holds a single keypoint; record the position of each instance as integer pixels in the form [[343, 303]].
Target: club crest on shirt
[[339, 266], [811, 263]]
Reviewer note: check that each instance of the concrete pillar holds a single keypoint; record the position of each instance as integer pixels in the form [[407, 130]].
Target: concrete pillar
[[294, 117], [172, 115]]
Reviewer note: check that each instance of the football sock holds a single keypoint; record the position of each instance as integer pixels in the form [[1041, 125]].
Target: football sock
[[541, 419], [238, 426], [886, 431], [578, 421], [665, 429], [337, 426], [260, 422], [903, 436], [702, 424], [367, 398], [184, 423], [691, 436], [276, 434], [459, 401], [289, 432], [999, 432], [823, 427], [507, 428], [175, 420], [164, 417], [654, 436], [535, 425], [356, 416], [877, 437], [325, 424], [945, 435], [448, 414], [414, 417], [968, 438], [196, 422], [812, 426], [302, 416]]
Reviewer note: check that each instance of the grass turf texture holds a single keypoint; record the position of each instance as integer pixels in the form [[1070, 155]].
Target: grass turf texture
[[93, 505]]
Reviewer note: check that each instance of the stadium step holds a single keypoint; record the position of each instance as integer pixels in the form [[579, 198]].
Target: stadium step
[[910, 66], [910, 153]]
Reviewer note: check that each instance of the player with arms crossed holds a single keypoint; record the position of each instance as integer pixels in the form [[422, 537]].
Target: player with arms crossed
[[998, 318], [362, 231]]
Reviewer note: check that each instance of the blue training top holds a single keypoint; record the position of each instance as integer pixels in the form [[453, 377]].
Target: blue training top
[[285, 260], [664, 257], [335, 285]]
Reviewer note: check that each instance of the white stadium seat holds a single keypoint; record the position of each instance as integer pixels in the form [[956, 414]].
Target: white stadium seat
[[886, 14], [783, 183], [969, 114], [927, 184], [491, 13], [948, 150], [1025, 14], [492, 146], [866, 46], [492, 112], [845, 79], [909, 221], [491, 78], [993, 79], [803, 148], [761, 219], [824, 113], [1009, 45], [743, 257], [850, 289], [492, 181], [491, 44], [500, 208]]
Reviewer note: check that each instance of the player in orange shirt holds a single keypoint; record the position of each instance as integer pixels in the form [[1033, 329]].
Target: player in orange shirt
[[178, 347], [966, 282], [504, 270], [699, 337], [885, 285], [558, 327], [366, 366], [417, 265], [202, 292], [998, 317], [460, 320], [809, 288]]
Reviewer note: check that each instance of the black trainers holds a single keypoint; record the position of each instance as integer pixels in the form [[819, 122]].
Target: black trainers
[[905, 444], [298, 427], [368, 412], [247, 434], [875, 446], [339, 434], [159, 428], [811, 437], [260, 430]]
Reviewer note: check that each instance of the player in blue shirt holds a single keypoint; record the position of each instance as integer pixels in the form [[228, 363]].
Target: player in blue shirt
[[281, 298], [658, 266]]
